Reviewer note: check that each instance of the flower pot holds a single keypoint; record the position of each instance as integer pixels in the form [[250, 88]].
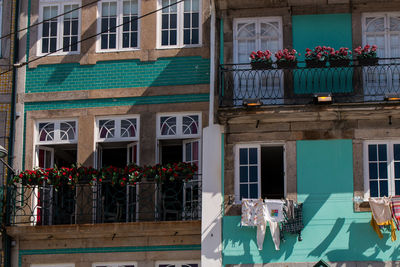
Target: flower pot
[[368, 61], [261, 65], [286, 64], [337, 63], [315, 63]]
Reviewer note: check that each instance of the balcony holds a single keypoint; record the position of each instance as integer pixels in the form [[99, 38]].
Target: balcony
[[352, 84], [104, 203]]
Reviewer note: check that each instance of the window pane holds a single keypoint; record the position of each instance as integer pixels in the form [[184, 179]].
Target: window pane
[[164, 38], [173, 21], [383, 188], [244, 191], [104, 24], [397, 170], [113, 9], [45, 45], [186, 20], [125, 40], [53, 28], [104, 41], [113, 24], [46, 29], [383, 171], [67, 27], [396, 151], [397, 187], [373, 171], [244, 174], [372, 152], [125, 26], [253, 191], [243, 155], [134, 38], [172, 37], [53, 44], [186, 36], [74, 44], [74, 27], [195, 5], [113, 41], [253, 173], [66, 44], [373, 188], [382, 153], [253, 156], [195, 20], [195, 36], [46, 131]]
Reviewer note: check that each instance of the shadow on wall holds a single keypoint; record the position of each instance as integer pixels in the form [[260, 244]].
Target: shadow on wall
[[187, 67], [333, 231]]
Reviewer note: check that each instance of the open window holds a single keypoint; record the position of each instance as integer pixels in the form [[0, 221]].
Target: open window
[[55, 146], [117, 145], [179, 140], [259, 171]]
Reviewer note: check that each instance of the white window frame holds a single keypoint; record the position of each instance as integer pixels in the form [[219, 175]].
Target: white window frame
[[390, 168], [179, 27], [115, 264], [60, 26], [179, 123], [178, 263], [117, 131], [385, 15], [237, 166], [257, 21], [57, 139], [119, 30]]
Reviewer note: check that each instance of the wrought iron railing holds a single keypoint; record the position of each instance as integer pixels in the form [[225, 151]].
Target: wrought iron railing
[[278, 86], [104, 203]]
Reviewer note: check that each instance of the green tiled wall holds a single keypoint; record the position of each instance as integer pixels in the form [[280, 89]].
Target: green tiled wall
[[105, 250], [118, 74]]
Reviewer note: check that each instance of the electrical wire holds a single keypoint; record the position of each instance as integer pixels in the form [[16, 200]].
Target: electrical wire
[[92, 36], [46, 20]]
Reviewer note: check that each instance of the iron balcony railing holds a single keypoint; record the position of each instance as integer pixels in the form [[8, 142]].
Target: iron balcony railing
[[285, 86], [104, 203]]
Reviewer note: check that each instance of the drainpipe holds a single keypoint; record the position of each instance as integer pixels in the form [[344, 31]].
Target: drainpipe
[[15, 55], [212, 64]]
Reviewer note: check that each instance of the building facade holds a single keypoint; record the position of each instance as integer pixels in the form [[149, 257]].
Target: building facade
[[329, 157], [110, 83]]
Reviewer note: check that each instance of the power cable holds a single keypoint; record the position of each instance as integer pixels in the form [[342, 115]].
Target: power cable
[[46, 20], [92, 36]]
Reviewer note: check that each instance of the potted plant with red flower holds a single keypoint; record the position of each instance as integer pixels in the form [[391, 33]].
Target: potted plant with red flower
[[286, 58], [340, 58], [367, 55], [261, 60], [318, 57]]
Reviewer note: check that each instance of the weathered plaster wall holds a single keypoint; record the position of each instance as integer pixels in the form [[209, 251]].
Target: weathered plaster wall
[[85, 244]]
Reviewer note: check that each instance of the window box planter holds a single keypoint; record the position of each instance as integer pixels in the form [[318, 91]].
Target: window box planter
[[315, 63], [261, 65], [286, 64], [368, 61], [339, 63]]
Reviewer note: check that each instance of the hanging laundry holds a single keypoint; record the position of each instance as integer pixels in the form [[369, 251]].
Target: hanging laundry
[[396, 210], [253, 215], [288, 209], [382, 215], [294, 225], [274, 215]]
